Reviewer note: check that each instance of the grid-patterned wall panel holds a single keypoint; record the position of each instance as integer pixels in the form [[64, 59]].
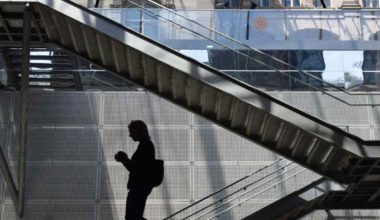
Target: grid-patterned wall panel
[[4, 138], [375, 111], [58, 144], [217, 144], [210, 178], [329, 109], [111, 211], [113, 184], [176, 184], [6, 195], [114, 140], [37, 180], [377, 133], [153, 211], [159, 211], [73, 137], [241, 211], [39, 211], [72, 211], [59, 182], [5, 101], [31, 212], [74, 182], [299, 178], [69, 108], [39, 183], [121, 108], [228, 209], [171, 144], [362, 132]]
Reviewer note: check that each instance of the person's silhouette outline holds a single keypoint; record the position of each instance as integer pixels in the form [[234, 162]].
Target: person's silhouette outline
[[138, 166]]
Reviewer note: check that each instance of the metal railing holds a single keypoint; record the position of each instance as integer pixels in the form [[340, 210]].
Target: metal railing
[[248, 57], [252, 196], [242, 191]]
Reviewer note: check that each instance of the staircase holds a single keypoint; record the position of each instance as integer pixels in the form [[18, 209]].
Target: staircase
[[351, 4], [50, 69], [258, 184], [298, 203]]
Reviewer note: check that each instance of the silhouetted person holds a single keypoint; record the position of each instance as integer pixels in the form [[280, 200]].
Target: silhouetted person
[[138, 166]]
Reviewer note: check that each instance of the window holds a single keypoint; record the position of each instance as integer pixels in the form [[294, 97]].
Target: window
[[264, 3], [318, 4], [287, 3], [371, 3]]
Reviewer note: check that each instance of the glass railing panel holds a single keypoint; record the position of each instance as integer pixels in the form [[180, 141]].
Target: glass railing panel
[[301, 59], [258, 68], [165, 32], [155, 26], [368, 20], [350, 25], [312, 26]]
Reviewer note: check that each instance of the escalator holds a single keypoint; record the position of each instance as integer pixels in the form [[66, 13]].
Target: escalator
[[199, 88], [234, 105]]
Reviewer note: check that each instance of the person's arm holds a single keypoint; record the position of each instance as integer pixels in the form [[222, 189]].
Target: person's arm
[[122, 157]]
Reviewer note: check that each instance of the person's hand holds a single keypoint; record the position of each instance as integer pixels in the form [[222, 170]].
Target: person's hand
[[121, 157]]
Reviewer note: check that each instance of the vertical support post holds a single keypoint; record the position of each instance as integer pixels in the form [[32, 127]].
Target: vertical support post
[[77, 80], [24, 107], [8, 177]]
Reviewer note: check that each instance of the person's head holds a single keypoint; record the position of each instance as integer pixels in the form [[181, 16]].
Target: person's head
[[138, 130]]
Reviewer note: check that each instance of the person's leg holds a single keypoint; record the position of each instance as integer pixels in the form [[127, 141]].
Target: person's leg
[[131, 212], [136, 201], [129, 207]]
